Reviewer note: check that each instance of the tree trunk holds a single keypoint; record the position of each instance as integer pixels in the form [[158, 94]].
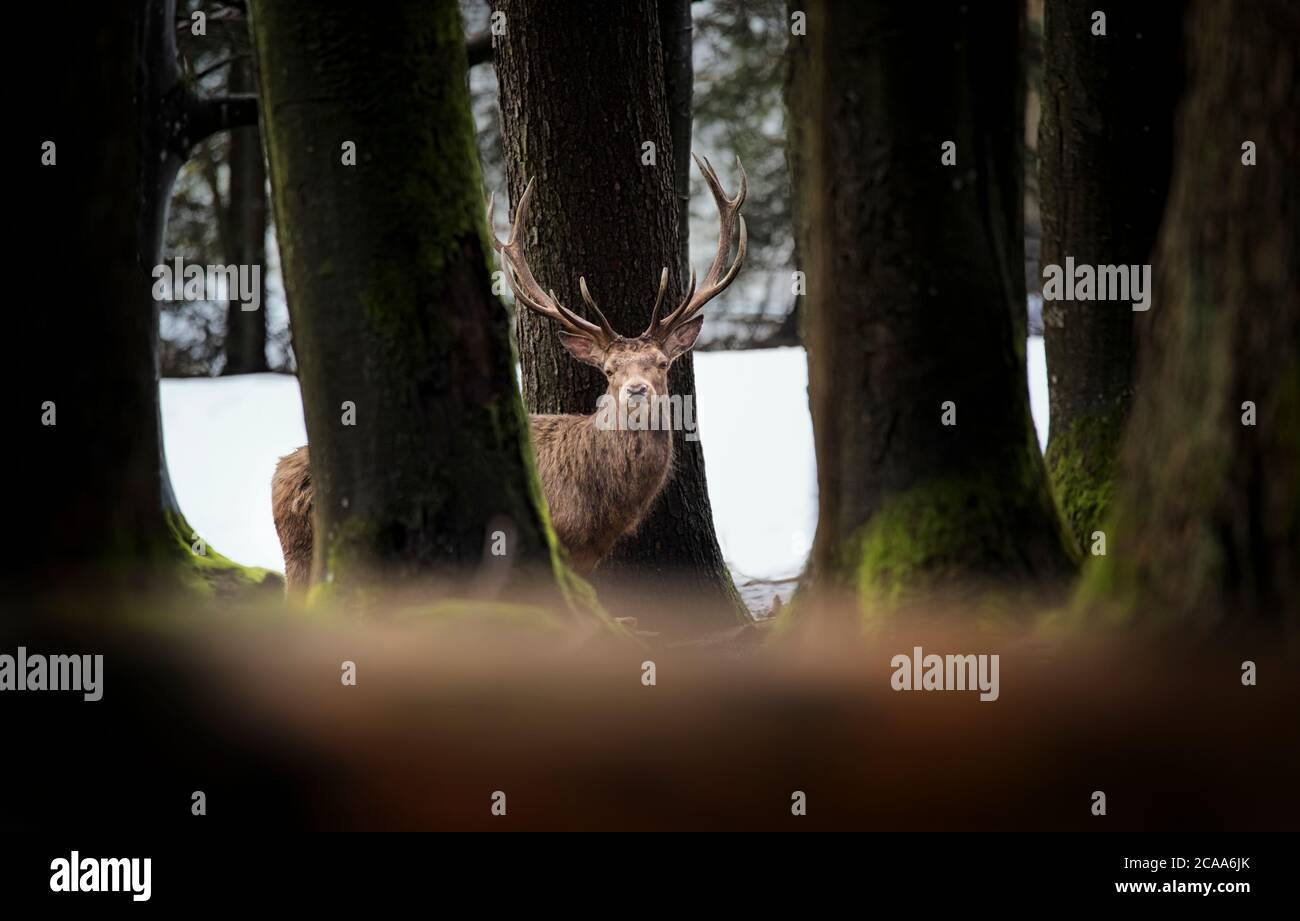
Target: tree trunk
[[577, 105], [915, 300], [1206, 522], [676, 40], [246, 329], [393, 314], [122, 131], [1105, 150]]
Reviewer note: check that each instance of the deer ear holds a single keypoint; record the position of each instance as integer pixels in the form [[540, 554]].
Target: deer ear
[[682, 339], [583, 349]]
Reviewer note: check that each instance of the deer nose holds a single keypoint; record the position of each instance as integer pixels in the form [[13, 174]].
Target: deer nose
[[637, 390]]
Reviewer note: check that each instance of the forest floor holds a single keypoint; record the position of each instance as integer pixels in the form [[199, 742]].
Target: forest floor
[[582, 729]]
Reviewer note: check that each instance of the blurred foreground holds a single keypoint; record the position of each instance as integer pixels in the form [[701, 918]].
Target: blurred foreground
[[246, 704]]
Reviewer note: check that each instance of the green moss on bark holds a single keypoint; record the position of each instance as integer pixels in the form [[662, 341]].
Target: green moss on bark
[[1081, 463], [385, 264], [211, 573], [965, 531], [1131, 582], [938, 534]]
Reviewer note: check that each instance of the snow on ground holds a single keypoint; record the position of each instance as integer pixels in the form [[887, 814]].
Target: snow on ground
[[224, 436], [752, 410], [1036, 358]]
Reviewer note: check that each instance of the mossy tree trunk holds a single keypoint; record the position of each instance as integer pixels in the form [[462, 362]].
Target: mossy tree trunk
[[1104, 153], [419, 446], [582, 89], [122, 130], [1206, 522], [915, 298]]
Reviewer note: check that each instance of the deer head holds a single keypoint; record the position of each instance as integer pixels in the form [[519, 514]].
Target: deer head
[[635, 367]]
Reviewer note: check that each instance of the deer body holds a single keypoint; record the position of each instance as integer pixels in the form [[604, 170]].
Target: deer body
[[600, 480], [599, 485]]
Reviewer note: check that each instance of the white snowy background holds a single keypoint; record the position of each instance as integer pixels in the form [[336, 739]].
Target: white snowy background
[[224, 436]]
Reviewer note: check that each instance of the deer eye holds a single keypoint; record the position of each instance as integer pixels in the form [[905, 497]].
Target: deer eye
[[609, 372], [663, 366]]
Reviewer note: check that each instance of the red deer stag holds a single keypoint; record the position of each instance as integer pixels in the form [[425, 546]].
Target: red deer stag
[[599, 479]]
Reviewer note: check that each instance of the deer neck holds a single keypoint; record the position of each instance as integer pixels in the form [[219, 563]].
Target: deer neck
[[637, 460]]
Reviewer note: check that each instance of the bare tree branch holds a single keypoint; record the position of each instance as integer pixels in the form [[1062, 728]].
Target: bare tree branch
[[217, 66], [197, 118]]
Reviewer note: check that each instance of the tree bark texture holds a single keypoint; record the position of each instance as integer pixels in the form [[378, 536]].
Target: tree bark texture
[[915, 298], [1205, 527], [393, 315], [121, 131], [1105, 151], [675, 38]]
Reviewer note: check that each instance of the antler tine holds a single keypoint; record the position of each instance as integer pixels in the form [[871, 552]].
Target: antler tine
[[583, 325], [656, 325], [527, 291], [716, 279], [586, 296], [659, 301]]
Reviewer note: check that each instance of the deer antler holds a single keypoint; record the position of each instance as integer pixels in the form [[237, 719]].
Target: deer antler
[[529, 293], [715, 282]]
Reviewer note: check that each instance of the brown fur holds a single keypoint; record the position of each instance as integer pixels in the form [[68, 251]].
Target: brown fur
[[291, 505], [599, 484]]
